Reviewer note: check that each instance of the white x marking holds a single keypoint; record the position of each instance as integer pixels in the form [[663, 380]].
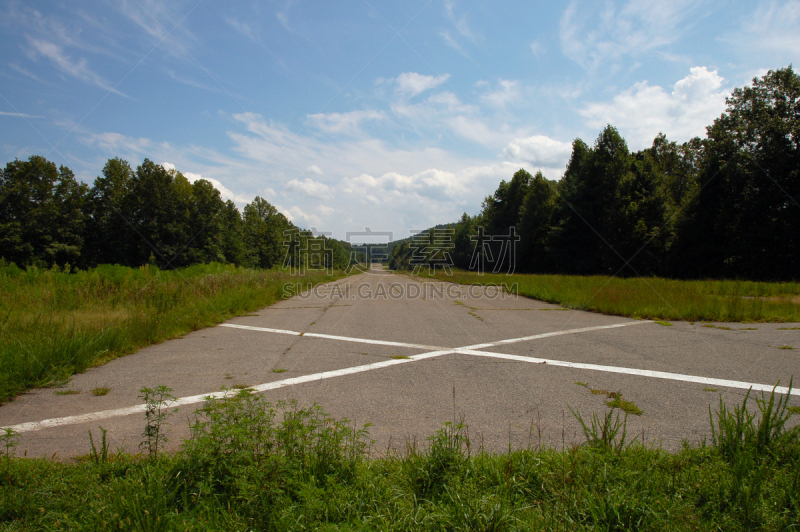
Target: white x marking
[[436, 351]]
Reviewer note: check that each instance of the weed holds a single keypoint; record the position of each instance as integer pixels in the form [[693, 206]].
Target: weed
[[794, 410], [66, 392], [9, 441], [788, 328], [785, 347], [278, 370], [228, 376], [584, 384], [101, 390], [664, 323], [240, 386], [157, 403], [608, 434], [399, 357], [709, 389], [100, 458], [615, 400], [629, 407], [720, 327], [747, 329]]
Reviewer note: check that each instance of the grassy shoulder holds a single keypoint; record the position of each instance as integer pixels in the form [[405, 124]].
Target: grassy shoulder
[[251, 465], [652, 297], [55, 324]]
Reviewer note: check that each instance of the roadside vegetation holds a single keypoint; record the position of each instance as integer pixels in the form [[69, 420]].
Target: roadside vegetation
[[652, 297], [54, 324], [250, 465]]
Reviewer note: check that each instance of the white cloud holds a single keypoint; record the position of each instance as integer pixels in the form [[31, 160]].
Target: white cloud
[[344, 123], [410, 83], [115, 142], [309, 187], [301, 218], [643, 111], [225, 192], [540, 151], [314, 169]]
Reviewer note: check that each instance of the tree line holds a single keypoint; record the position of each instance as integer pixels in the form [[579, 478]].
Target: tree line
[[150, 215], [723, 206]]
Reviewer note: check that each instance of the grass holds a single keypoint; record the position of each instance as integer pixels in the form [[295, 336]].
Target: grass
[[55, 324], [66, 392], [653, 298], [785, 347], [399, 357], [100, 391], [252, 465], [709, 389], [664, 323], [278, 370]]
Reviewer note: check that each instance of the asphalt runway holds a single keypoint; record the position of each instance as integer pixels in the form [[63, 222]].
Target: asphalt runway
[[408, 356]]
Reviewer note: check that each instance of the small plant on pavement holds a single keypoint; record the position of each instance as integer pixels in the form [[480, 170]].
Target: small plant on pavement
[[157, 411]]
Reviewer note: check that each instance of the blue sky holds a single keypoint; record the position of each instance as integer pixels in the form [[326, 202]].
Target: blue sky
[[389, 115]]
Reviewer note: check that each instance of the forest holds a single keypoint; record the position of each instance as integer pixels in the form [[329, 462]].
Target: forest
[[723, 206], [149, 215]]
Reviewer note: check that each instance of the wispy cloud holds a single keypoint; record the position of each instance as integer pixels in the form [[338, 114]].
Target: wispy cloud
[[244, 29], [771, 29], [78, 69], [344, 123], [19, 115], [25, 72], [160, 20], [590, 32], [452, 43]]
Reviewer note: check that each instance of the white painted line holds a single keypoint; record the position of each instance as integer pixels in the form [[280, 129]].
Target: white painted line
[[555, 333], [332, 337], [437, 351], [784, 390], [262, 329], [194, 399]]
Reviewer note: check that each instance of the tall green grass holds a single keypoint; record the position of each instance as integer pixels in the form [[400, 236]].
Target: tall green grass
[[654, 298], [54, 324], [251, 465]]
